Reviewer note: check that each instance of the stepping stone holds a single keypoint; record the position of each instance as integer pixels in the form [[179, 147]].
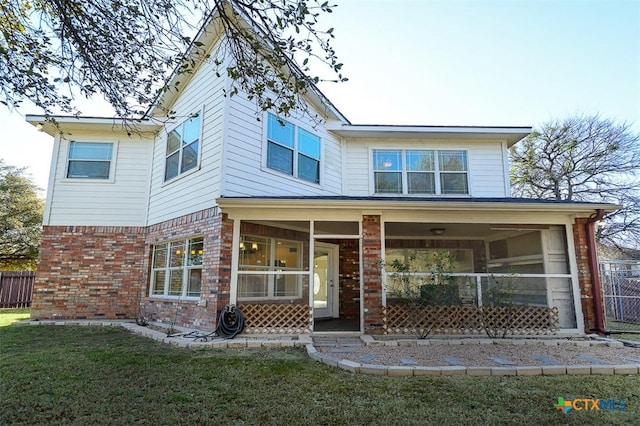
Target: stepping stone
[[591, 359], [547, 360], [324, 342], [366, 358], [342, 351], [630, 358], [407, 361], [350, 342], [452, 361], [501, 361]]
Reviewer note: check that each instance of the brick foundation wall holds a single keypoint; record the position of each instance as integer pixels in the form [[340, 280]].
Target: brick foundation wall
[[88, 272], [372, 279], [217, 231], [584, 275]]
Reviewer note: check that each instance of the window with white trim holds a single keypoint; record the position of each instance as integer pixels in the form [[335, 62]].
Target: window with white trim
[[176, 268], [292, 150], [183, 148], [89, 160], [414, 171], [269, 268]]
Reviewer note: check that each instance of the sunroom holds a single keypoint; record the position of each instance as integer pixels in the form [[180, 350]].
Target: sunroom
[[323, 264]]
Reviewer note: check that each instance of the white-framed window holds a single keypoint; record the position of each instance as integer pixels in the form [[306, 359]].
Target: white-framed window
[[292, 150], [269, 268], [90, 160], [176, 268], [183, 148], [420, 171]]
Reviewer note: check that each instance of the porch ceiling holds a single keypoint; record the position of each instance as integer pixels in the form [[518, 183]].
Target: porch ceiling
[[440, 231]]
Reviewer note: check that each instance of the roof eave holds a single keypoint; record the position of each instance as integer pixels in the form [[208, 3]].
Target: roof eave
[[509, 134], [382, 204], [53, 125]]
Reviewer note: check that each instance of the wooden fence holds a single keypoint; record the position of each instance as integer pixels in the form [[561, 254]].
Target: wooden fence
[[16, 289]]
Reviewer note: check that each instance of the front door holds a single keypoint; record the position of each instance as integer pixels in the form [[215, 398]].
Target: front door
[[325, 281]]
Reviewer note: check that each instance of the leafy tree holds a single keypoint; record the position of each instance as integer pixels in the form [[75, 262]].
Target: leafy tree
[[54, 50], [584, 158], [20, 219]]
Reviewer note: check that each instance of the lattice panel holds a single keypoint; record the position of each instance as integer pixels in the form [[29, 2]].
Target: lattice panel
[[408, 319], [281, 319]]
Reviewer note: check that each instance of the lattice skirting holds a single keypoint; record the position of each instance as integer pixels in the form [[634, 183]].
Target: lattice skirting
[[517, 320], [265, 318]]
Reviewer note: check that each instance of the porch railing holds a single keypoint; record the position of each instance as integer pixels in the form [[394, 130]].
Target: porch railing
[[529, 303]]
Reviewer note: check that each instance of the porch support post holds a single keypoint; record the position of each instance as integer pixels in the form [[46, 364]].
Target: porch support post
[[235, 258], [312, 249], [372, 277]]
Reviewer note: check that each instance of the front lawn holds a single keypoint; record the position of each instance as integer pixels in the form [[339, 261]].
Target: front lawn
[[8, 316], [100, 375]]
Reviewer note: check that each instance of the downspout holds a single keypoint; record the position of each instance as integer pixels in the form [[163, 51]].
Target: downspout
[[596, 286]]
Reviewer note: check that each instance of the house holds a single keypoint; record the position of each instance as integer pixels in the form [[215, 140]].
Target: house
[[289, 218]]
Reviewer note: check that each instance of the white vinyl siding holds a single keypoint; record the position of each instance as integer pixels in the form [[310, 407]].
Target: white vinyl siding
[[120, 200], [485, 164], [198, 188], [246, 171]]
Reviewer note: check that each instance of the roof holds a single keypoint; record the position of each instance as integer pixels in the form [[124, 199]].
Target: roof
[[510, 134], [76, 123], [207, 36], [433, 203]]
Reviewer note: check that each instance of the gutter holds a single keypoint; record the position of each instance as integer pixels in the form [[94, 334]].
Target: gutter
[[596, 285]]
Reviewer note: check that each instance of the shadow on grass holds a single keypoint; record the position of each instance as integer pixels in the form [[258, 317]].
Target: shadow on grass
[[99, 375]]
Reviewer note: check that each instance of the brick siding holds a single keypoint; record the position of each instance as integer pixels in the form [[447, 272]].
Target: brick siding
[[584, 274], [217, 231], [88, 272], [372, 279], [103, 272]]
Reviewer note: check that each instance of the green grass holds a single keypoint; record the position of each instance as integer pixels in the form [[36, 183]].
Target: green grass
[[93, 375], [625, 328], [8, 316]]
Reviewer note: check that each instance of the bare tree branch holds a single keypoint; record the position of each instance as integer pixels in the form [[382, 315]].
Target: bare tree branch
[[584, 158]]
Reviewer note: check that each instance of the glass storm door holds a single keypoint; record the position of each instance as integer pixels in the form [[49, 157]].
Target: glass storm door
[[325, 281]]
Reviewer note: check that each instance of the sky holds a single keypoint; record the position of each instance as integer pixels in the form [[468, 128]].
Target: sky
[[454, 62]]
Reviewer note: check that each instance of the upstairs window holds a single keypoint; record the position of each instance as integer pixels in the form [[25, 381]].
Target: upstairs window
[[292, 150], [439, 172], [89, 160], [183, 148]]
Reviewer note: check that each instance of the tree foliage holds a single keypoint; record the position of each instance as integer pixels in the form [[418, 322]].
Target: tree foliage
[[54, 50], [584, 158], [20, 219]]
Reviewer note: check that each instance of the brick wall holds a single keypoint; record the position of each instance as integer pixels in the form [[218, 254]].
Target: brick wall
[[88, 272], [103, 272], [372, 280], [584, 275], [217, 231]]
